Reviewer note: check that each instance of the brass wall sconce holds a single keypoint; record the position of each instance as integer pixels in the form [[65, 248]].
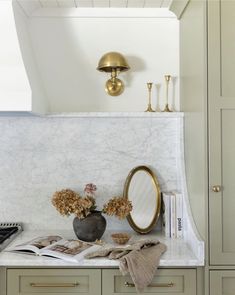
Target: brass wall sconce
[[114, 63]]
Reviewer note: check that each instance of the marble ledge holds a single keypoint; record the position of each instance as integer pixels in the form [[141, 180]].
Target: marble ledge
[[178, 254], [161, 115], [114, 115]]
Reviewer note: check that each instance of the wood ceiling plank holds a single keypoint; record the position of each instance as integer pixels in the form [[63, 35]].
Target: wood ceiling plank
[[135, 3], [101, 3], [49, 3], [66, 3], [29, 5], [84, 3], [165, 3], [118, 3], [152, 3]]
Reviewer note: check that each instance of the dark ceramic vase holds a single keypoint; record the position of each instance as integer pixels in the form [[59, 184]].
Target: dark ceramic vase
[[90, 228]]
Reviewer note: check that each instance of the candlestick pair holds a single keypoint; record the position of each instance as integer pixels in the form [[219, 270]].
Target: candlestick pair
[[149, 85]]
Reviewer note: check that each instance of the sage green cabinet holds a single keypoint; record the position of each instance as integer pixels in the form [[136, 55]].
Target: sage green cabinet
[[2, 281], [53, 281], [166, 281], [221, 97], [222, 282], [207, 63], [96, 282]]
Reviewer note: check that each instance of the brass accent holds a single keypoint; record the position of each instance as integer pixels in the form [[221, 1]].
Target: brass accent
[[149, 109], [167, 109], [112, 60], [160, 285], [158, 198], [216, 188], [167, 78], [54, 285], [114, 86], [114, 63]]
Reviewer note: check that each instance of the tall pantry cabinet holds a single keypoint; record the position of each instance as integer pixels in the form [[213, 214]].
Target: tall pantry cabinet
[[221, 98], [207, 42]]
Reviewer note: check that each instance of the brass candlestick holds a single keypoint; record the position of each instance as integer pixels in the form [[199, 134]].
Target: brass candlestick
[[167, 78], [149, 109]]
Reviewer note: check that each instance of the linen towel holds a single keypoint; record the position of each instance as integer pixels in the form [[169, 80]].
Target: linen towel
[[139, 259]]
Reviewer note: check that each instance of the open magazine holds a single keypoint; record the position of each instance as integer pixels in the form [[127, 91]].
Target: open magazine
[[56, 246]]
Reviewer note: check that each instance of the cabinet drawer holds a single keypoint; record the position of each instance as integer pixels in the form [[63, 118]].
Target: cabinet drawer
[[166, 281], [53, 281]]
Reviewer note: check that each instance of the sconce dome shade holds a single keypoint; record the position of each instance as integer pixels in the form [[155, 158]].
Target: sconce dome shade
[[112, 60]]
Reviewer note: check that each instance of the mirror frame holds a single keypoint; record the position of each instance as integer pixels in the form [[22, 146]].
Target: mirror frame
[[158, 198]]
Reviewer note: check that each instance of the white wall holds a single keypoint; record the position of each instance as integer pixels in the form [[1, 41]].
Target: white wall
[[67, 51], [15, 92], [38, 99]]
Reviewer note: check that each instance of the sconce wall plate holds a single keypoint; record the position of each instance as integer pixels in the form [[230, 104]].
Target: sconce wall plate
[[114, 88], [114, 63]]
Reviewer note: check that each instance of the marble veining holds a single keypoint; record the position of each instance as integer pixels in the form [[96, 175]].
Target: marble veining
[[39, 155], [179, 253], [42, 154]]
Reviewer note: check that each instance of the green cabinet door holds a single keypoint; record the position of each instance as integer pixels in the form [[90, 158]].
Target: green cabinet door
[[222, 282], [221, 97]]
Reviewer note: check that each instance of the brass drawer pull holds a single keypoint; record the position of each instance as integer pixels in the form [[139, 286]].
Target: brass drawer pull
[[54, 285], [166, 285]]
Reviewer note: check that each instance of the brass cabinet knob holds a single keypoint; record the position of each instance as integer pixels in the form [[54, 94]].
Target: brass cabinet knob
[[216, 188]]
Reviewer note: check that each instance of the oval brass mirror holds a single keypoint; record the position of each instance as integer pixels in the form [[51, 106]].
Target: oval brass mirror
[[142, 189]]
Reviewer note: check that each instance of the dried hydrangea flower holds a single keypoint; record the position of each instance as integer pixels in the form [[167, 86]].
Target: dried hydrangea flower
[[90, 189], [64, 201], [69, 202], [118, 206]]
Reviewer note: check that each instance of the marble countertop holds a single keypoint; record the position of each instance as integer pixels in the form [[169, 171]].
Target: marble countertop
[[179, 253]]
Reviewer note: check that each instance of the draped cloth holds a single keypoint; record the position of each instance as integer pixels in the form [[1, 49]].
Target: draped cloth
[[140, 259]]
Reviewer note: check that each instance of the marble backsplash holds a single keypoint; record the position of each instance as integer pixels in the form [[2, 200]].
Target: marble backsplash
[[39, 155]]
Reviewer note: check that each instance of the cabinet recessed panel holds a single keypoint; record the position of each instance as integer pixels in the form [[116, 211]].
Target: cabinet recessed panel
[[227, 15], [166, 281], [222, 282], [228, 183], [160, 284], [228, 285], [53, 281], [222, 202]]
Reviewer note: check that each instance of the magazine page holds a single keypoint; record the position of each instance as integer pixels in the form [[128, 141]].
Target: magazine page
[[36, 245], [70, 250]]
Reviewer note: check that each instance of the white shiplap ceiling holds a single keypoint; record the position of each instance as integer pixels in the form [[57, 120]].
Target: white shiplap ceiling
[[97, 3], [30, 6]]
